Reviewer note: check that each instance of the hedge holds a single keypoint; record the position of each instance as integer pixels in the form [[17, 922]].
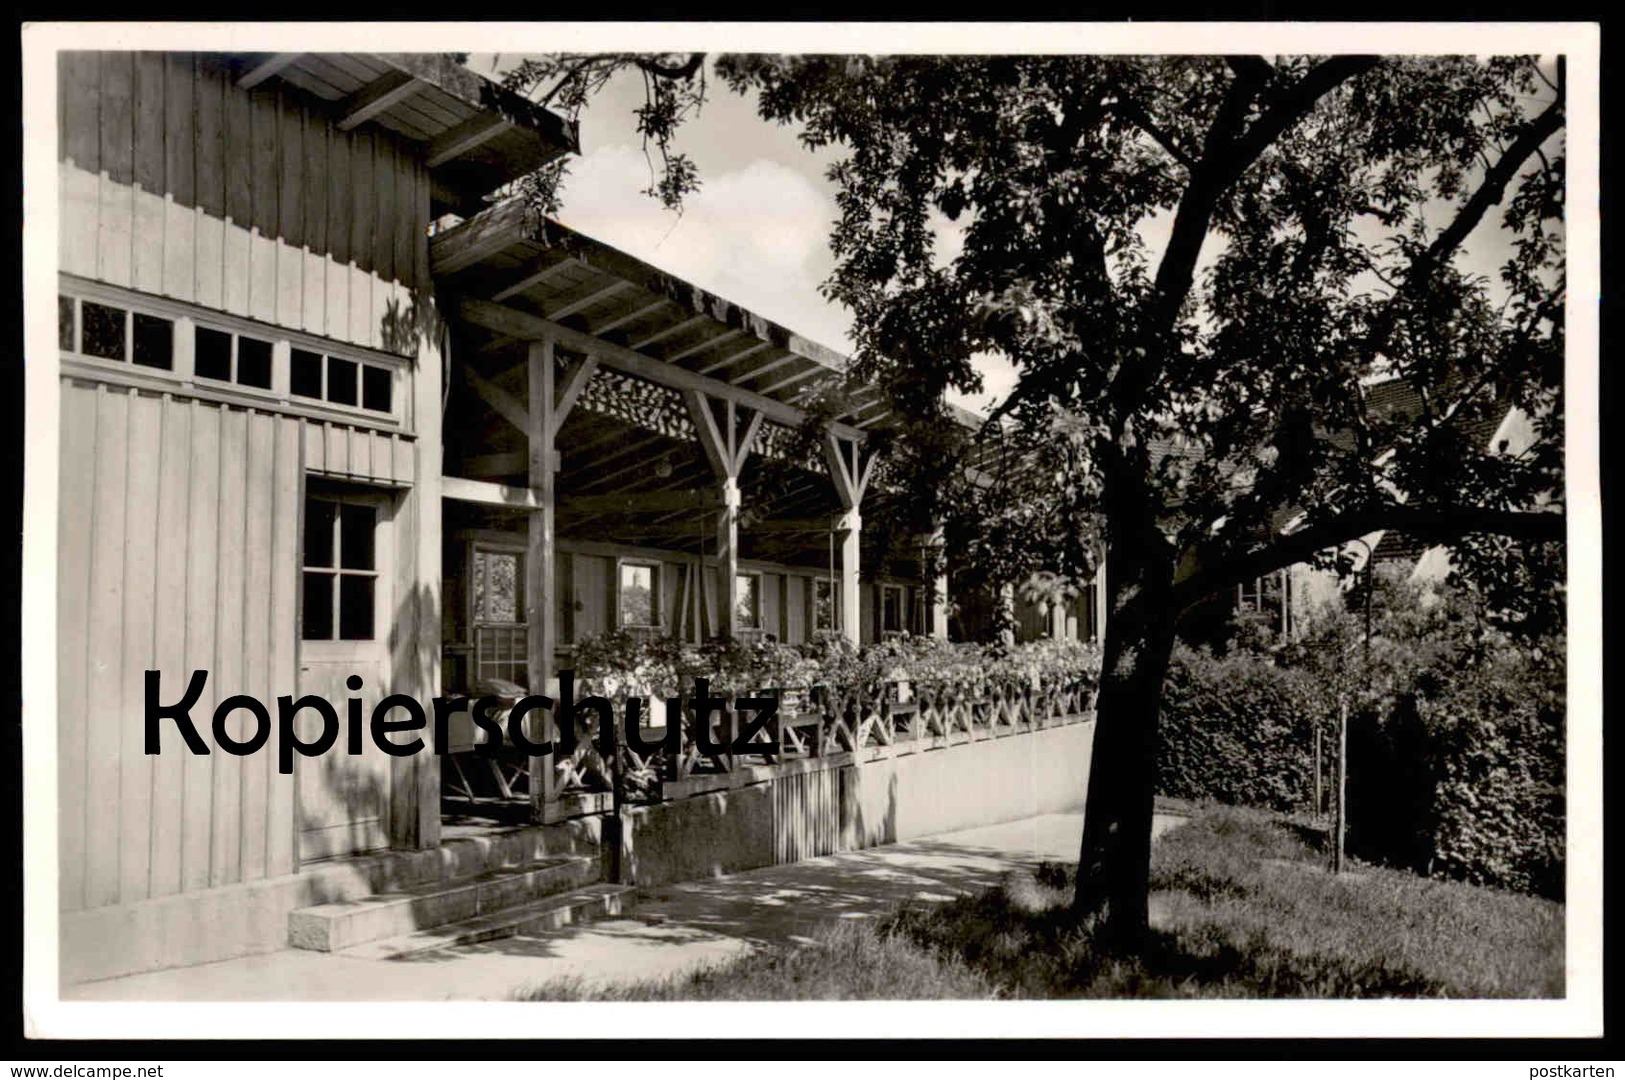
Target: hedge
[[1455, 769], [1238, 729]]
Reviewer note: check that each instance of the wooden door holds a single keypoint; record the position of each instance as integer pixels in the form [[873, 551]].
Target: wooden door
[[345, 617]]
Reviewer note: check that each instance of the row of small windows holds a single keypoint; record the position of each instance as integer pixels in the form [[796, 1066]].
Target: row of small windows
[[107, 332], [640, 599]]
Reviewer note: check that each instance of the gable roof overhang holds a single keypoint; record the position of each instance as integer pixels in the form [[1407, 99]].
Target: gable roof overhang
[[476, 136]]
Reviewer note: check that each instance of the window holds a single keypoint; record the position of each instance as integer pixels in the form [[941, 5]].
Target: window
[[1269, 598], [497, 605], [891, 609], [226, 357], [825, 605], [640, 595], [256, 357], [107, 332], [340, 571], [749, 609], [340, 382]]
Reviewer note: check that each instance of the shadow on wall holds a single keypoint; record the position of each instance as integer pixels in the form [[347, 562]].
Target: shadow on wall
[[370, 797], [857, 829], [406, 329]]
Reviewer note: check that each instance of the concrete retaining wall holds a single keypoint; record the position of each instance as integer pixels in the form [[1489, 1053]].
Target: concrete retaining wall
[[861, 804]]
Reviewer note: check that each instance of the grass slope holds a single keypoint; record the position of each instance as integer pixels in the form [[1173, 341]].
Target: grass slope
[[1242, 905]]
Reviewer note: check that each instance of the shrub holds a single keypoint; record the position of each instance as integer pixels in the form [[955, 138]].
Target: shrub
[[1477, 766]]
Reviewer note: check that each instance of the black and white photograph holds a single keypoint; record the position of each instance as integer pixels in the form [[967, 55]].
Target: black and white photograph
[[1016, 514]]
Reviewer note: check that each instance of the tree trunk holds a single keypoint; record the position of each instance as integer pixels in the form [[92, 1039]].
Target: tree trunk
[[1114, 866]]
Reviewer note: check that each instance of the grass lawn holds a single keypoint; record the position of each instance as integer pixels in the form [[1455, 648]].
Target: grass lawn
[[1243, 907]]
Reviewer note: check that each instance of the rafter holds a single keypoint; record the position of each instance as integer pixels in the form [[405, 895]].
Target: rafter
[[734, 358], [471, 134], [670, 331], [263, 70], [389, 88], [702, 346], [630, 317], [581, 304], [531, 280]]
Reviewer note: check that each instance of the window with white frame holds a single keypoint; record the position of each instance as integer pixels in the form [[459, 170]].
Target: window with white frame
[[106, 332], [749, 607], [891, 609], [639, 595], [339, 381], [222, 356], [340, 570], [497, 614], [826, 609]]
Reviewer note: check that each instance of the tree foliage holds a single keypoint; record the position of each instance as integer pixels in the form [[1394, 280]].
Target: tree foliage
[[1312, 208]]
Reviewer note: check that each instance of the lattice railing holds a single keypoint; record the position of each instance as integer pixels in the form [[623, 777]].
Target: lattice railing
[[824, 721]]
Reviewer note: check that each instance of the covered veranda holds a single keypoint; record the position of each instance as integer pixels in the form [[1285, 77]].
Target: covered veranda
[[609, 429]]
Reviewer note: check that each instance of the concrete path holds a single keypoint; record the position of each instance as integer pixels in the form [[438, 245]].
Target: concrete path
[[674, 928]]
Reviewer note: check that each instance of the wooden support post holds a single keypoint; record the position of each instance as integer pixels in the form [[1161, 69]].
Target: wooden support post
[[727, 445], [1320, 801], [541, 577], [850, 527], [1057, 619], [938, 621], [415, 780], [1102, 601], [1340, 827], [850, 474], [728, 559]]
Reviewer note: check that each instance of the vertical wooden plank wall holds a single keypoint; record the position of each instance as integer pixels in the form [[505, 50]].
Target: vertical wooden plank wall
[[176, 182], [180, 533]]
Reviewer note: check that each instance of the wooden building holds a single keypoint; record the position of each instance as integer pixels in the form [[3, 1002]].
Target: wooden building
[[327, 411]]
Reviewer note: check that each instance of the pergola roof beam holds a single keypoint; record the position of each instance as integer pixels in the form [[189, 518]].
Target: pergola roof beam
[[734, 358], [582, 303], [502, 319], [630, 317]]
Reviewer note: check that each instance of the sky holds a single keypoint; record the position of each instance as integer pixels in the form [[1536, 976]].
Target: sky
[[757, 231]]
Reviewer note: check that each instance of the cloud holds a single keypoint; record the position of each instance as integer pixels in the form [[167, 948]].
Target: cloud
[[757, 235]]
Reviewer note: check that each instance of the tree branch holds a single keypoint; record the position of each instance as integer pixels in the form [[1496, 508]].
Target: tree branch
[[1135, 113], [1488, 193], [1291, 104], [1251, 68], [683, 71], [1439, 524]]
